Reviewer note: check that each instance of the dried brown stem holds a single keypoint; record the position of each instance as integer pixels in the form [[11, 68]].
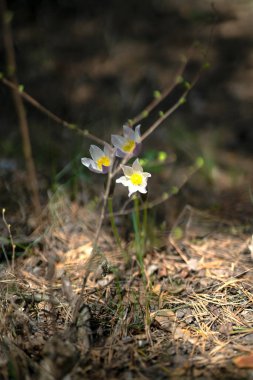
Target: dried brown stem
[[95, 247], [163, 117], [50, 114], [20, 109], [8, 226], [154, 103], [157, 201]]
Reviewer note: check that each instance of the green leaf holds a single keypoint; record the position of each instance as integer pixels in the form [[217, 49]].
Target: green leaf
[[143, 161], [165, 196], [157, 94], [199, 162], [177, 233], [21, 88], [206, 65], [182, 100], [187, 85], [145, 113], [179, 79], [174, 190], [162, 156]]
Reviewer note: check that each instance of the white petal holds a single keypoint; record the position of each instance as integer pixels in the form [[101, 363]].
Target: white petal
[[137, 133], [96, 152], [137, 166], [86, 161], [118, 141], [120, 153], [131, 193], [96, 170], [127, 170], [142, 189], [128, 132], [90, 164], [132, 189], [123, 180], [146, 175], [137, 149], [94, 167], [144, 183], [108, 151]]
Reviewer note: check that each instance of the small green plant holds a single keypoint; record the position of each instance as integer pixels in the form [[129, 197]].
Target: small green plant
[[135, 179], [109, 160]]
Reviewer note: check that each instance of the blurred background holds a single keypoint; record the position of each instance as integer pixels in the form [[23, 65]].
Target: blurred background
[[97, 64]]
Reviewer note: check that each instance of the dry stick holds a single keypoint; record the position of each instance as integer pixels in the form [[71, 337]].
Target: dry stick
[[50, 114], [13, 246], [15, 87], [154, 103], [94, 248], [162, 118], [161, 96], [20, 109], [111, 175], [74, 127], [166, 114], [157, 201], [87, 134]]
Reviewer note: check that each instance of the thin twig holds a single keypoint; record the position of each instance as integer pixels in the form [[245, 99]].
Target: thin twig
[[95, 247], [48, 113], [20, 109], [163, 117], [172, 109], [157, 201], [157, 100], [5, 255], [8, 226]]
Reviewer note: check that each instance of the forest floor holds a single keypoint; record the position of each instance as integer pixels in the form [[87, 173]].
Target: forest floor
[[189, 313]]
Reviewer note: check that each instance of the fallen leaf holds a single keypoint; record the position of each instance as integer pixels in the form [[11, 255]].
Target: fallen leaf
[[156, 289], [244, 361], [193, 264], [152, 269], [165, 318], [185, 335]]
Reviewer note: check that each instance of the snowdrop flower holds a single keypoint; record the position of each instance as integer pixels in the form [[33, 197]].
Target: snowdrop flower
[[134, 178], [129, 143], [101, 159]]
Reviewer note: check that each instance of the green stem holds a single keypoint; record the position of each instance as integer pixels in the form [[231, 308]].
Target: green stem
[[138, 238], [113, 224], [144, 227]]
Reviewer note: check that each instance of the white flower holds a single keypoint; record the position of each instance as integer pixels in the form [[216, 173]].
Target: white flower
[[129, 143], [134, 178], [101, 159]]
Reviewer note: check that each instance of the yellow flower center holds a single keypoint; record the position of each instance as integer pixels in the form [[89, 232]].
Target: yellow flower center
[[136, 179], [103, 161], [129, 146]]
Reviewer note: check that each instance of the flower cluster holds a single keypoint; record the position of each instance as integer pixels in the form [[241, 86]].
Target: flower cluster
[[134, 178], [128, 145]]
